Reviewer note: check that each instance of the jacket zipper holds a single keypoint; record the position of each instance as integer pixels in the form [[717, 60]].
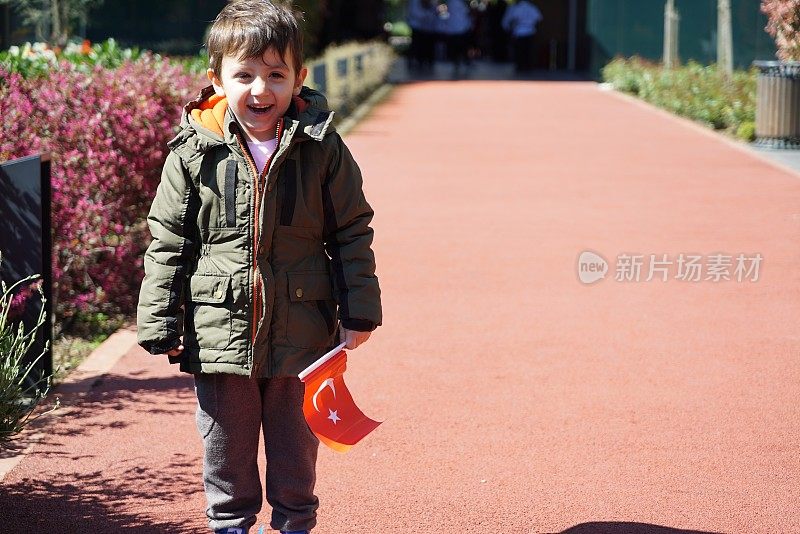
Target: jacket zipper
[[258, 189]]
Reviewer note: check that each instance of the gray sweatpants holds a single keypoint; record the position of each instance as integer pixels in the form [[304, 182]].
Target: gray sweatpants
[[231, 410]]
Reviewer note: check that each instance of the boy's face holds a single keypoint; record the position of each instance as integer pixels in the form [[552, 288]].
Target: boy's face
[[259, 91]]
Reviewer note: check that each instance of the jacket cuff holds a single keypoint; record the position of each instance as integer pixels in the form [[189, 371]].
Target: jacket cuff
[[160, 347], [359, 325]]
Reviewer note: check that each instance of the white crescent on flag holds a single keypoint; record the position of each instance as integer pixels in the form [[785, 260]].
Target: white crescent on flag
[[326, 383]]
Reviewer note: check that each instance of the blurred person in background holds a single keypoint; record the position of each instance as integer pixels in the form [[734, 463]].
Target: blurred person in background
[[455, 25], [422, 18], [520, 21]]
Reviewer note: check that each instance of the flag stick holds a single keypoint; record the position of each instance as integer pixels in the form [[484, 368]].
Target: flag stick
[[327, 356]]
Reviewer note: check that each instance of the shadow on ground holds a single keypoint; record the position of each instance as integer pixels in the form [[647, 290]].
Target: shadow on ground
[[618, 527], [65, 485], [91, 503], [123, 394], [82, 402]]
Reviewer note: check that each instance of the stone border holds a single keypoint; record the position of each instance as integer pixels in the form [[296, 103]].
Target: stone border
[[363, 109], [81, 380], [741, 146]]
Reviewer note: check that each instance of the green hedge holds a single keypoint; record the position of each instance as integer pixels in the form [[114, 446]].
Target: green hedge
[[699, 92]]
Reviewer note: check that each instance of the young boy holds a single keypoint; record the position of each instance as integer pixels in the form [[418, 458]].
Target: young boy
[[261, 240]]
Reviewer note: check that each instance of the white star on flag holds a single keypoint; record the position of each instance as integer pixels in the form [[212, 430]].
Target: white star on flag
[[334, 416]]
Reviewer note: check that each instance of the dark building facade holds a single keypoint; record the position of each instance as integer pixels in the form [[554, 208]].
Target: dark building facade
[[580, 35], [584, 35], [167, 26], [179, 26], [636, 27]]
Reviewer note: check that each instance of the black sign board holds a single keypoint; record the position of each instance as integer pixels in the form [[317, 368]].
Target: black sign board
[[25, 241]]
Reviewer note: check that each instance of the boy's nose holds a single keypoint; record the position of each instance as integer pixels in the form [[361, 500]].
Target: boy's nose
[[259, 86]]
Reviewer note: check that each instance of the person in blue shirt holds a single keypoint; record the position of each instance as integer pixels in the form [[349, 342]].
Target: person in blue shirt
[[422, 18], [520, 21], [455, 25]]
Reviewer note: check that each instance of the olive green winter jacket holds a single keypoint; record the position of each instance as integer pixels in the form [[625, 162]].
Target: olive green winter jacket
[[253, 272]]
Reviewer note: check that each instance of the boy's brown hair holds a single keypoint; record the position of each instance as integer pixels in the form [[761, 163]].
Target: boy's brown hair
[[248, 28]]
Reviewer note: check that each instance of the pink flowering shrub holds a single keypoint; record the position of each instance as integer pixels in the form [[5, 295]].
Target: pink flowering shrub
[[18, 302], [107, 131], [783, 23]]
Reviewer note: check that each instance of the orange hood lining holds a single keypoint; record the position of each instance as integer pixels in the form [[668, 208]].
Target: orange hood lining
[[211, 112]]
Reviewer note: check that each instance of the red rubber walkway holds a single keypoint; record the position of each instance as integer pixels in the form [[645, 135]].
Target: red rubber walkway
[[516, 399]]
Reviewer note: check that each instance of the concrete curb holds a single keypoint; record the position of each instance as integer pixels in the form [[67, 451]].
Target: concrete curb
[[363, 109], [99, 362], [81, 380], [738, 145]]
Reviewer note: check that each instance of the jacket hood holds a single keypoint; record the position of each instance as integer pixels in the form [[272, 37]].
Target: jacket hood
[[207, 122]]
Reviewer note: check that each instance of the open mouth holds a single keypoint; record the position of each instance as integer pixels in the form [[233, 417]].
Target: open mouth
[[259, 109]]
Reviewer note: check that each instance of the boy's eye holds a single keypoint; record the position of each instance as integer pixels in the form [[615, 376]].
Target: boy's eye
[[276, 75], [241, 75]]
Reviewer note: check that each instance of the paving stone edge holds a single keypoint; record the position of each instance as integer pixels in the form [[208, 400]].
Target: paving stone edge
[[363, 109], [738, 145]]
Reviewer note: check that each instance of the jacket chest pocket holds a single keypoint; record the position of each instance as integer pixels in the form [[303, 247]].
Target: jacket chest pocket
[[311, 320], [209, 313]]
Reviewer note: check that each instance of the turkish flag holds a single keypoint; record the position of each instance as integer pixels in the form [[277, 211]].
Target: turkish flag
[[328, 406]]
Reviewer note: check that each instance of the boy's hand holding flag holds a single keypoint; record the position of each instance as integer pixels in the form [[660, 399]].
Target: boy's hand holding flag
[[352, 338], [328, 406]]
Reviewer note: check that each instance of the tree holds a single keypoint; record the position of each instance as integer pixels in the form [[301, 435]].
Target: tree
[[54, 21], [671, 22], [724, 37]]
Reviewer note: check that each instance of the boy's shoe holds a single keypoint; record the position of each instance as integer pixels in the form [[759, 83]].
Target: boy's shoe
[[294, 532], [231, 530]]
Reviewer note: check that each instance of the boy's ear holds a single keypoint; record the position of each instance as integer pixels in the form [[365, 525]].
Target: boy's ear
[[298, 81], [216, 82]]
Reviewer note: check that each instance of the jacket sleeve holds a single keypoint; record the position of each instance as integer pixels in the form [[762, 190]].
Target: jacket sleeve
[[348, 240], [159, 313]]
